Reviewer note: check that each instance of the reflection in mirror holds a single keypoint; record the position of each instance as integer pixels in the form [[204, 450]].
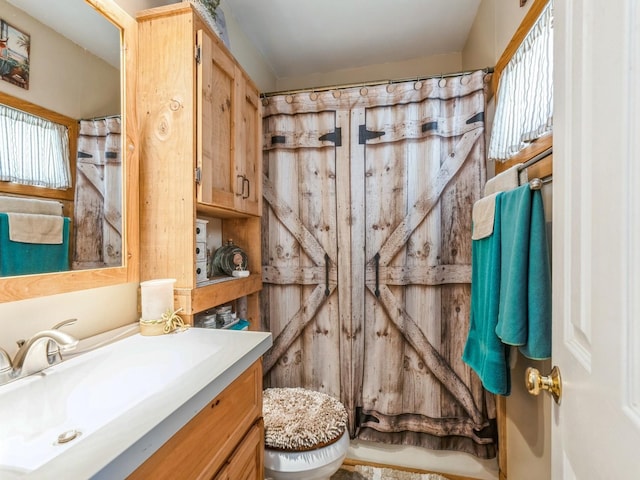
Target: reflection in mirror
[[80, 94], [77, 80]]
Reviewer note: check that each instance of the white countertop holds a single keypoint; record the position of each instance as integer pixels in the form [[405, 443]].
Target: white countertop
[[203, 363]]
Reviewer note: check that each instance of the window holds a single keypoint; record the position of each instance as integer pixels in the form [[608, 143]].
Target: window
[[33, 151], [524, 110]]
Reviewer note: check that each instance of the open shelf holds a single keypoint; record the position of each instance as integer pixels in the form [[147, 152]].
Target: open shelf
[[217, 291]]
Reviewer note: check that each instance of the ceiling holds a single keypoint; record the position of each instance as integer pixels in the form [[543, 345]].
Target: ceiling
[[302, 37]]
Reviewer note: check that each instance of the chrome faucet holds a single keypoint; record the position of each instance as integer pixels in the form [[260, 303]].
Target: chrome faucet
[[33, 356], [54, 354]]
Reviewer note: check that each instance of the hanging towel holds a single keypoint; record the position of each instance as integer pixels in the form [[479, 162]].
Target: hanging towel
[[30, 205], [483, 216], [524, 317], [507, 180], [17, 258], [35, 228], [483, 351]]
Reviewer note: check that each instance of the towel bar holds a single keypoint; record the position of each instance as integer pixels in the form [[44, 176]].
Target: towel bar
[[535, 184]]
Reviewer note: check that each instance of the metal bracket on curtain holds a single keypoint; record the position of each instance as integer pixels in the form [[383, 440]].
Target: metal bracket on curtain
[[478, 117], [376, 258], [365, 134], [335, 137], [327, 292], [429, 126]]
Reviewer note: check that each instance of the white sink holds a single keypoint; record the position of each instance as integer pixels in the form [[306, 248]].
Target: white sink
[[122, 389]]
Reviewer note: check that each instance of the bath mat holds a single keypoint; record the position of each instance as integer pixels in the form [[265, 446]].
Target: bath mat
[[296, 419], [365, 472]]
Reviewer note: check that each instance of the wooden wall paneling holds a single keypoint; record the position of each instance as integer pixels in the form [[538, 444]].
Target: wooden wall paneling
[[384, 205], [320, 339], [355, 333], [282, 301], [343, 264]]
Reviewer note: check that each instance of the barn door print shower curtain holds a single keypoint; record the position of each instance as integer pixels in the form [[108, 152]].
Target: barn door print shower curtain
[[367, 250]]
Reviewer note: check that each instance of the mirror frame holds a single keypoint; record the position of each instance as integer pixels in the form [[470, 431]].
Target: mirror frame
[[32, 286]]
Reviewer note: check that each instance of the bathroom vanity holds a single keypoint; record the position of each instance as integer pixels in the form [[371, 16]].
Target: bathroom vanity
[[181, 405], [224, 440]]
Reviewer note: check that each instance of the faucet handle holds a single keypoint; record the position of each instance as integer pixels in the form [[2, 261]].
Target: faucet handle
[[64, 323], [54, 355]]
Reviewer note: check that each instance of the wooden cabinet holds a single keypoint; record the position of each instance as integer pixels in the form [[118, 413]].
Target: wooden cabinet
[[224, 440], [228, 133], [199, 116], [247, 463]]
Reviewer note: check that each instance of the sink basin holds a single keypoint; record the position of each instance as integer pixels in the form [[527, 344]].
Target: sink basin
[[119, 390]]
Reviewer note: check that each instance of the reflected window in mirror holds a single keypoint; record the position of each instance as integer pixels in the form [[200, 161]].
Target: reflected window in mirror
[[39, 152]]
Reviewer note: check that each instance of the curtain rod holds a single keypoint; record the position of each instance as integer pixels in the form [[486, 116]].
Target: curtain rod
[[100, 118], [536, 159], [373, 83]]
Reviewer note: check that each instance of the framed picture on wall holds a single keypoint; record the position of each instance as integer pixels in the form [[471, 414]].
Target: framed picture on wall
[[15, 46]]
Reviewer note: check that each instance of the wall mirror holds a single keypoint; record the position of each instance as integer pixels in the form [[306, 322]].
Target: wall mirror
[[99, 92]]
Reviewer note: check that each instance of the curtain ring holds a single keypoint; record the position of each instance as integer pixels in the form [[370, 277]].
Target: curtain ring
[[390, 88], [464, 79], [364, 91], [417, 85], [313, 96], [442, 82], [288, 99], [336, 93]]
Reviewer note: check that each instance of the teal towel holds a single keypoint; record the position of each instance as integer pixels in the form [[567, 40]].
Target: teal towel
[[524, 317], [483, 351], [17, 258]]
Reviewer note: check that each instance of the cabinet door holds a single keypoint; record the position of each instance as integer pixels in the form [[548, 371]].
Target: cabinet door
[[246, 463], [248, 164], [216, 103]]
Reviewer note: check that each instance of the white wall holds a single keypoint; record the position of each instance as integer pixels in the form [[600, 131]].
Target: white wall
[[415, 68], [492, 29]]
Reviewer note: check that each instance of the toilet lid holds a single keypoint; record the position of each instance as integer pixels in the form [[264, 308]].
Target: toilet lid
[[297, 419]]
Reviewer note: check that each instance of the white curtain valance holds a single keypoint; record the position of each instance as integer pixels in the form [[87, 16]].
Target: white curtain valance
[[524, 109], [33, 151]]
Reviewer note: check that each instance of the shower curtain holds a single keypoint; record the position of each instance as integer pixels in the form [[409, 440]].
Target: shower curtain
[[367, 251], [98, 197]]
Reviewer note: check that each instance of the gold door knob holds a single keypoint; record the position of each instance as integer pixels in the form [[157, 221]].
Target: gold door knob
[[551, 383]]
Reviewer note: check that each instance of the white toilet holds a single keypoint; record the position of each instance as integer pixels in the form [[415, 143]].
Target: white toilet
[[306, 434]]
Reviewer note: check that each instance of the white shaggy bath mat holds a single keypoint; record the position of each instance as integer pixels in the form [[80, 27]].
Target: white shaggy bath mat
[[298, 419]]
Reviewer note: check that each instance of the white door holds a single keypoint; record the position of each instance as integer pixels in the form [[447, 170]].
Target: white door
[[596, 247]]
